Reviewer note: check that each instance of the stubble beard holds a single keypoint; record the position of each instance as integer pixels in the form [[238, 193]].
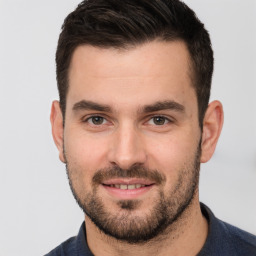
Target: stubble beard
[[126, 226]]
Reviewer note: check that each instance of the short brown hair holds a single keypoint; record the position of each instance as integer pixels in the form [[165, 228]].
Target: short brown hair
[[123, 23]]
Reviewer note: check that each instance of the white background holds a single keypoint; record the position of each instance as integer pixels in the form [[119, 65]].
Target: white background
[[37, 210]]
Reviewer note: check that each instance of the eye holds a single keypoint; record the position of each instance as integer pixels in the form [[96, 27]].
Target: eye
[[96, 120], [158, 120]]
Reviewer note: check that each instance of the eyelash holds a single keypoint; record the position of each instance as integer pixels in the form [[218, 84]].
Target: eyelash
[[166, 120], [94, 116]]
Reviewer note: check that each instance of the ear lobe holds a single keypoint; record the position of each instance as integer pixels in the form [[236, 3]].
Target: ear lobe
[[57, 128], [212, 126]]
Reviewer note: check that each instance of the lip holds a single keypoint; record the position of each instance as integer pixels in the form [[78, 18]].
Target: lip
[[128, 181], [127, 194]]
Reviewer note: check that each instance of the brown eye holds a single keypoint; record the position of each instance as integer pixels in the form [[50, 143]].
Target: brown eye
[[96, 120], [158, 120]]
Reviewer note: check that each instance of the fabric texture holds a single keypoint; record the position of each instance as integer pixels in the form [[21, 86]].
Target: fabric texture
[[223, 240]]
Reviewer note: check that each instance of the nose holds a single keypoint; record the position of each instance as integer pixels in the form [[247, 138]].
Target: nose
[[127, 148]]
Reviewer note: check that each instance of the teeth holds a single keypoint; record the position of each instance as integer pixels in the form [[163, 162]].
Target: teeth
[[131, 186], [123, 186]]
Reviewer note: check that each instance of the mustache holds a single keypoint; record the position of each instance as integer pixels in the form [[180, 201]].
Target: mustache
[[135, 171]]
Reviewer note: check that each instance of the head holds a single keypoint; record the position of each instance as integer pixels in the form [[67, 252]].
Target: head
[[125, 24], [134, 82]]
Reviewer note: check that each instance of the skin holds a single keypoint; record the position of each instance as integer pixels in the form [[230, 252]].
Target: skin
[[126, 81]]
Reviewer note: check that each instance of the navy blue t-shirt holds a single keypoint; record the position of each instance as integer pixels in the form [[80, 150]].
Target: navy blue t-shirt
[[223, 240]]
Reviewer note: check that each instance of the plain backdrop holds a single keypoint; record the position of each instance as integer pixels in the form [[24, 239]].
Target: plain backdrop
[[37, 209]]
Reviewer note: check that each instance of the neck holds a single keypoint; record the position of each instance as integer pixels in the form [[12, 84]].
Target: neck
[[184, 237]]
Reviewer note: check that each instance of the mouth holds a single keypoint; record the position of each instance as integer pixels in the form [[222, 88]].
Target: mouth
[[124, 186], [127, 189]]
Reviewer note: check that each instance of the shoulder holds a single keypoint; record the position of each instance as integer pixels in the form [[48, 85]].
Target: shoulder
[[74, 246], [67, 248], [226, 239], [242, 241]]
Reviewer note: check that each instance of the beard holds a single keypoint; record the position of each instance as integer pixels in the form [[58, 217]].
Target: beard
[[125, 224]]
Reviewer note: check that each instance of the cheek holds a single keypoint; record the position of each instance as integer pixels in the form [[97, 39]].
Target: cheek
[[84, 154], [171, 152]]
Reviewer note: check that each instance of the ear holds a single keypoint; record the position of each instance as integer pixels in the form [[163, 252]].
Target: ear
[[212, 126], [57, 128]]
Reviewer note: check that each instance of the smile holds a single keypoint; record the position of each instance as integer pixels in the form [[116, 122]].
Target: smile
[[124, 186], [127, 189]]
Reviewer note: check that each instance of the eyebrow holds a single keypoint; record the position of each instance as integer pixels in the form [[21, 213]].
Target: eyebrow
[[164, 105], [158, 106], [90, 105]]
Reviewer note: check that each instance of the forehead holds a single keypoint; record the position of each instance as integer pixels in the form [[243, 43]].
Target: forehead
[[156, 58], [149, 72]]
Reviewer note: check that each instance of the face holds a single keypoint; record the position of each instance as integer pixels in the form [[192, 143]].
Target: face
[[132, 137]]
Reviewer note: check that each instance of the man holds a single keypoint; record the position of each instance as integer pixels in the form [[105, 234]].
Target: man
[[133, 125]]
